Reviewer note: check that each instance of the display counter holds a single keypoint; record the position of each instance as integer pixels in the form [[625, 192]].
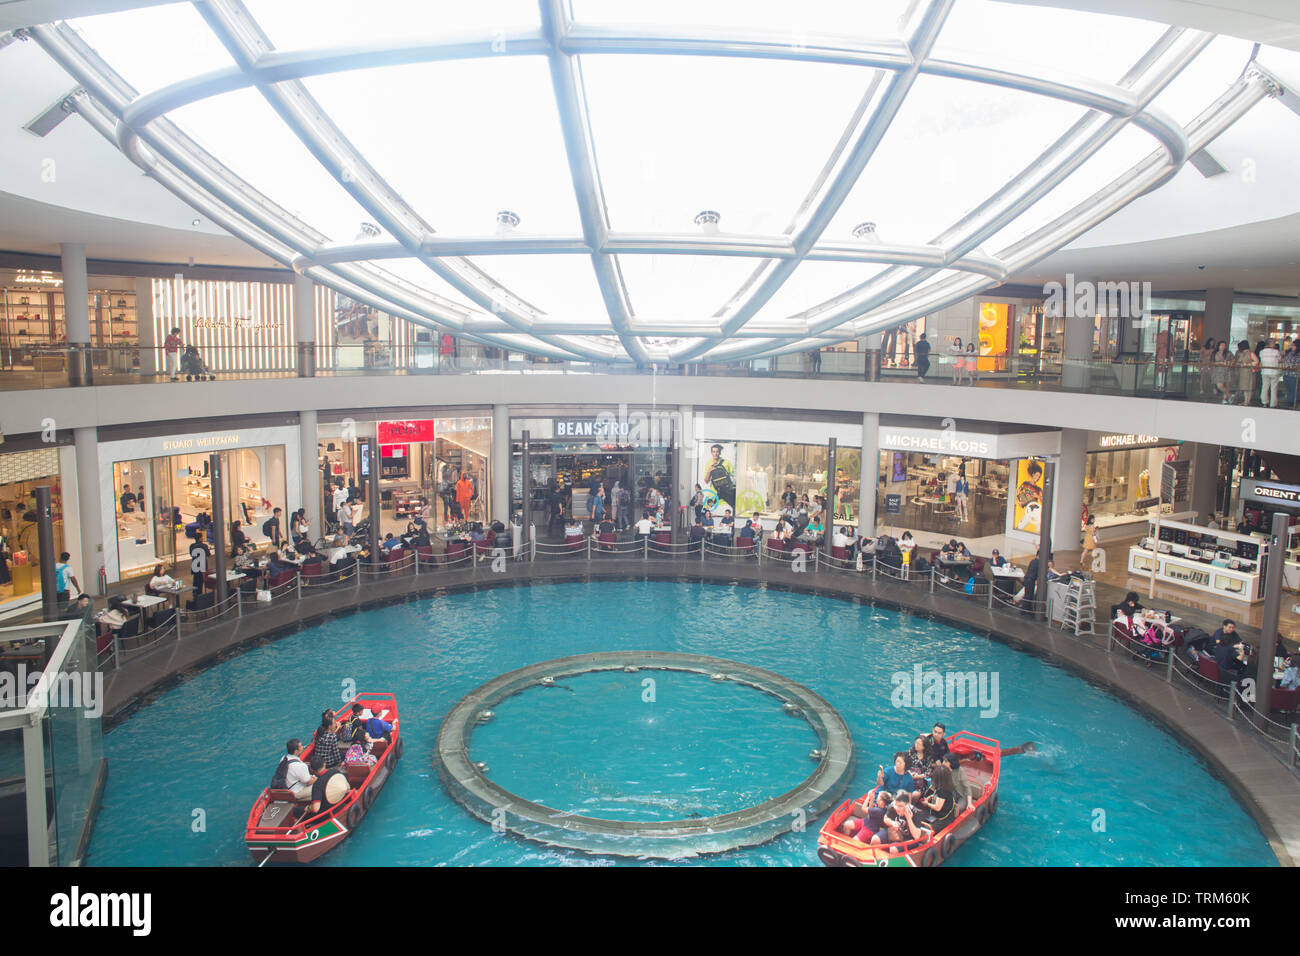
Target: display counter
[[1112, 528], [1221, 563]]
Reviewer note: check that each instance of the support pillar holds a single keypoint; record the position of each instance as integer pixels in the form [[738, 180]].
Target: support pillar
[[869, 475], [828, 523], [1217, 322], [1076, 371], [76, 313], [90, 514], [1045, 536], [372, 500], [1205, 480], [1068, 518], [152, 361], [526, 468], [1272, 612], [501, 464], [220, 534], [686, 467], [47, 559], [871, 367], [304, 324], [309, 474]]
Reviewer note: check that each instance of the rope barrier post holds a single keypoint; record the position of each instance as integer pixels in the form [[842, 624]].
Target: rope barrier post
[[416, 552], [178, 618], [992, 588], [932, 579], [816, 560], [1169, 666], [589, 548], [1292, 745], [117, 662], [239, 601], [356, 570], [873, 568], [297, 580], [645, 547], [703, 545], [1232, 693]]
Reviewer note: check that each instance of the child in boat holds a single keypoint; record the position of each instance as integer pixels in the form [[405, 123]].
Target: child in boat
[[867, 817]]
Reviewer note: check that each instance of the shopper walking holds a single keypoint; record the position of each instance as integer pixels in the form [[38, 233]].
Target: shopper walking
[[1291, 372], [1221, 372], [957, 355], [922, 351]]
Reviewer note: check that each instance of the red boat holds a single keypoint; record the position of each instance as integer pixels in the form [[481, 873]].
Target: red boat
[[981, 761], [277, 828]]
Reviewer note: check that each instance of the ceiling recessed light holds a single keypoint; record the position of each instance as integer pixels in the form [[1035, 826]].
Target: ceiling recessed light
[[866, 231], [195, 222]]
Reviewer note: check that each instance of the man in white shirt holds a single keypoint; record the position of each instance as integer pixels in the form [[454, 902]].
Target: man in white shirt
[[297, 777], [1270, 372], [346, 517], [645, 526]]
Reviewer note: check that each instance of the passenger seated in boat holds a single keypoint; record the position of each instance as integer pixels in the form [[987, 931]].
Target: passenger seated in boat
[[896, 778], [900, 826], [936, 745], [331, 787], [359, 752], [919, 762], [327, 741], [372, 726], [868, 816], [960, 784], [292, 773], [939, 805]]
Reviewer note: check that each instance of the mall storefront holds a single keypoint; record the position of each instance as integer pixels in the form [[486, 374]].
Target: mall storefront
[[21, 473], [570, 452], [1122, 480], [157, 491], [422, 461], [921, 466]]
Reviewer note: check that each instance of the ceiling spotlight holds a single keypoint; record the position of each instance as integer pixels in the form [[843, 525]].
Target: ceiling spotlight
[[708, 221], [195, 222], [507, 219], [367, 230], [866, 231]]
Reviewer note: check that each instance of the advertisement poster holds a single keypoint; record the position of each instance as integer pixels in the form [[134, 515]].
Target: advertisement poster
[[1029, 495], [995, 324], [718, 475]]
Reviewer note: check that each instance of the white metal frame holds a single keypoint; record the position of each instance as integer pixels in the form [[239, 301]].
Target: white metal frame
[[919, 278], [30, 719]]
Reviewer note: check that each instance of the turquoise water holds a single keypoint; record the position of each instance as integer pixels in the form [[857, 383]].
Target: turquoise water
[[1106, 787], [653, 745]]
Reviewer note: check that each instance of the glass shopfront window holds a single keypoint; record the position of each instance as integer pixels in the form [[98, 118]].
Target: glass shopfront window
[[21, 473], [1116, 481], [918, 492], [33, 323], [438, 469], [570, 456], [161, 502], [764, 469]]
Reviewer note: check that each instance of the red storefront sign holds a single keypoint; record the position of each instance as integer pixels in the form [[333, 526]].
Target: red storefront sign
[[402, 433]]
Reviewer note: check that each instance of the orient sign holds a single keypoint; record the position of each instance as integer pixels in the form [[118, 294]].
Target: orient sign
[[402, 433], [1281, 494]]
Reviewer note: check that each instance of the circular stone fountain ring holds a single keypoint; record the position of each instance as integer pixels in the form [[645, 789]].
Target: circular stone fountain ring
[[668, 839]]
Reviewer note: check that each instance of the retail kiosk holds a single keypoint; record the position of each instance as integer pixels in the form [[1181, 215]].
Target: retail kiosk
[[1222, 563]]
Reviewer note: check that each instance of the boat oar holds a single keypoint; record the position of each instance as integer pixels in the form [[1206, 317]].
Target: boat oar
[[267, 857], [1027, 747]]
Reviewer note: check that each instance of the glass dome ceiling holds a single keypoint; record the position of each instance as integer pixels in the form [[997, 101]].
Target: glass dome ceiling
[[623, 181]]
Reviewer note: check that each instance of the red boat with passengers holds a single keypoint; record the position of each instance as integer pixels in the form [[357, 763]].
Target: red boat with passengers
[[279, 829]]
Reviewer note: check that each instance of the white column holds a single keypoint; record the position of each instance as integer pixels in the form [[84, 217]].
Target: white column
[[685, 438], [1079, 329], [309, 472], [304, 323], [1217, 323], [76, 307], [89, 508], [1205, 479], [500, 477], [869, 474], [151, 359], [1067, 511]]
